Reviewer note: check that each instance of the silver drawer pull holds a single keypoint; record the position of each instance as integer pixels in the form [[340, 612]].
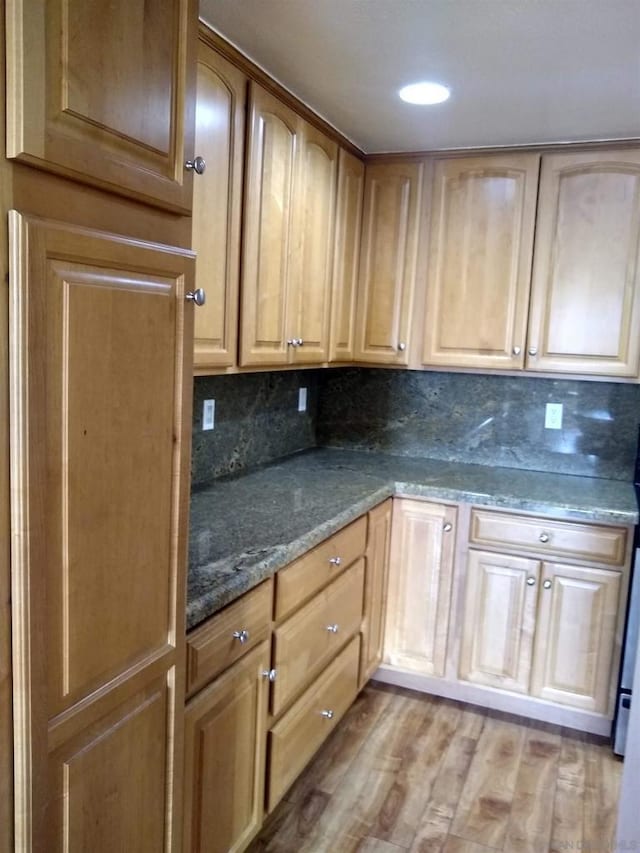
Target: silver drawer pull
[[198, 297], [197, 165], [531, 581], [332, 629], [271, 674], [547, 584], [544, 537], [242, 635], [328, 715], [335, 561], [448, 527]]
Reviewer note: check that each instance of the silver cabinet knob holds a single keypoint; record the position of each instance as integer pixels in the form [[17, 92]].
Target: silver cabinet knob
[[271, 674], [402, 346], [531, 581], [448, 527], [335, 561], [544, 537], [299, 342], [517, 350], [328, 715], [547, 584], [533, 351], [291, 342], [332, 629], [197, 165], [242, 636], [198, 297]]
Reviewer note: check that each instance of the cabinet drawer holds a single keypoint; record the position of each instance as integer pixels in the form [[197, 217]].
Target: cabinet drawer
[[213, 647], [309, 639], [296, 737], [300, 580], [589, 542]]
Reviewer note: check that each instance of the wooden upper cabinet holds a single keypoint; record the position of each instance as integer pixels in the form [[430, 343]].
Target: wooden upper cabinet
[[585, 300], [483, 213], [217, 207], [310, 293], [273, 142], [392, 203], [103, 92], [100, 395], [347, 256]]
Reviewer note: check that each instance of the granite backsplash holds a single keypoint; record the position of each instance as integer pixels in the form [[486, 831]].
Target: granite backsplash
[[484, 419], [256, 421]]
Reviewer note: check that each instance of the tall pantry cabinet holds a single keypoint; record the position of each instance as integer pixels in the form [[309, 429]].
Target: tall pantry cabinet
[[99, 374]]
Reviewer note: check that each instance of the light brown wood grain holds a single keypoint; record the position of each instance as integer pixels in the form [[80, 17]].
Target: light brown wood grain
[[375, 589], [217, 206], [347, 255], [109, 99], [225, 744], [420, 578], [585, 300], [313, 246], [479, 268], [212, 647], [499, 620], [104, 623], [388, 258], [306, 642], [485, 806]]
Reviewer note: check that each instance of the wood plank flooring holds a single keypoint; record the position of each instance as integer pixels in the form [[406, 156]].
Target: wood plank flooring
[[408, 773]]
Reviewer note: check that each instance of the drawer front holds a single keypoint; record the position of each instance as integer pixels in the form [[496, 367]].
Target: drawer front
[[213, 647], [310, 638], [296, 737], [300, 580], [589, 542]]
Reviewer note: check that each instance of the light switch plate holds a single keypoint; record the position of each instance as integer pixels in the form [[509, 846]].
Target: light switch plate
[[553, 416], [302, 399], [208, 414]]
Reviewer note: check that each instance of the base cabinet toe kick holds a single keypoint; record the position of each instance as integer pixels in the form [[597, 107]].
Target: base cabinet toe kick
[[518, 612]]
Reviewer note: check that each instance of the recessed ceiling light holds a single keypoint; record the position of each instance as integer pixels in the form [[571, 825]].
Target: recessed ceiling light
[[424, 93]]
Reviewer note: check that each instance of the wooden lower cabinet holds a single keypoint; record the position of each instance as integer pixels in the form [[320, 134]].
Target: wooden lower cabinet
[[225, 740], [420, 577], [499, 619], [375, 590], [299, 733], [576, 630]]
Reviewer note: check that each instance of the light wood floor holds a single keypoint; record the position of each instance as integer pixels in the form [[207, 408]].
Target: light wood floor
[[407, 772]]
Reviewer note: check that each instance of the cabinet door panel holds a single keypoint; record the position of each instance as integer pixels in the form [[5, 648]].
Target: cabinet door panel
[[109, 100], [480, 261], [100, 385], [585, 304], [575, 636], [500, 612], [217, 206], [420, 575], [225, 746], [375, 589], [269, 195], [388, 258], [310, 294], [346, 258]]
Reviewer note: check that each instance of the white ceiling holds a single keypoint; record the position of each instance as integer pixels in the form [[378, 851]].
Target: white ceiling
[[521, 71]]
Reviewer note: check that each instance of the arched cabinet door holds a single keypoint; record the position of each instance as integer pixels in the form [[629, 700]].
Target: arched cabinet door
[[103, 93], [585, 296]]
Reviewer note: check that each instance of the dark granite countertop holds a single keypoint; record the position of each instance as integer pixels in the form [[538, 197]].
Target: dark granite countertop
[[243, 530]]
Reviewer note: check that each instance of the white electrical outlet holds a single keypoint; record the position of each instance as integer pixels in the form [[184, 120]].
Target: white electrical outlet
[[302, 399], [553, 416], [208, 414]]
